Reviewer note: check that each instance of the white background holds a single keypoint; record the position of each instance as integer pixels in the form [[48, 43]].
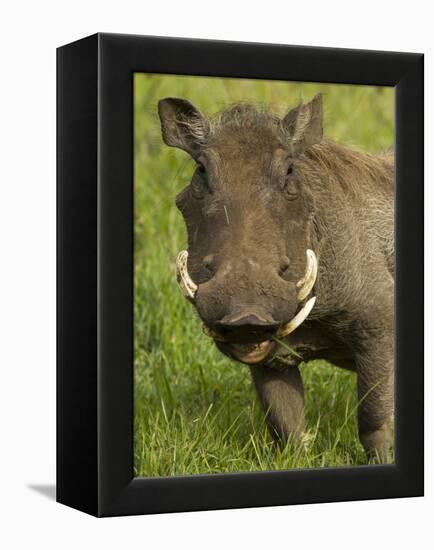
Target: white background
[[30, 32]]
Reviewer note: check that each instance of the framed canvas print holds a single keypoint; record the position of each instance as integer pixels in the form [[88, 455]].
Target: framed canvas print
[[240, 275]]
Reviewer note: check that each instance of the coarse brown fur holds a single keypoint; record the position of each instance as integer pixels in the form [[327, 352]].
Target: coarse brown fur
[[266, 189]]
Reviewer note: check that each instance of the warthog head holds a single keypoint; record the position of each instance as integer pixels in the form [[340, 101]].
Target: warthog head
[[249, 269]]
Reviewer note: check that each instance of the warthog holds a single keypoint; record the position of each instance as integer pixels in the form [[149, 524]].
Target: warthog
[[290, 237]]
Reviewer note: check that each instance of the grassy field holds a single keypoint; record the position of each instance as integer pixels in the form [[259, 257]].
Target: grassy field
[[195, 410]]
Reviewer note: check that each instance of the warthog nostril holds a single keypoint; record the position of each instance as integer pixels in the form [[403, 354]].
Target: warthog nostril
[[209, 263], [247, 322], [284, 264]]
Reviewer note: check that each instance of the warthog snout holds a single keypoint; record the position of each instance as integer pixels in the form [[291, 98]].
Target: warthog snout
[[244, 327], [247, 325]]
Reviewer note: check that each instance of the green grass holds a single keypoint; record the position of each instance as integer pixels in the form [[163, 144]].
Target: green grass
[[196, 411]]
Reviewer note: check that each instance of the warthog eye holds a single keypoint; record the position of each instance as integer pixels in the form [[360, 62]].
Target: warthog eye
[[201, 168], [290, 187], [198, 183]]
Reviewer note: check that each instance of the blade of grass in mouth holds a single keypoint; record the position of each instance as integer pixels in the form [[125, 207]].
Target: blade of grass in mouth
[[288, 348]]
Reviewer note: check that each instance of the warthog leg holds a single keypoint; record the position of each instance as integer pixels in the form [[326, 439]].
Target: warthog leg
[[282, 396], [375, 392]]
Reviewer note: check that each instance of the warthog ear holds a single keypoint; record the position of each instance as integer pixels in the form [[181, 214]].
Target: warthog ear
[[304, 124], [182, 125]]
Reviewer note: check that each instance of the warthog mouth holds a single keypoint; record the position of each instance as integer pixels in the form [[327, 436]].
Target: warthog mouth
[[247, 348], [252, 352]]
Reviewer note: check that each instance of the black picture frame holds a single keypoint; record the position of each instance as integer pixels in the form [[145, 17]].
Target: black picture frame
[[95, 274]]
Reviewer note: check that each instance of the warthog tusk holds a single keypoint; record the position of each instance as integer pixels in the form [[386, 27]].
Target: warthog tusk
[[306, 283], [185, 282], [297, 320]]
